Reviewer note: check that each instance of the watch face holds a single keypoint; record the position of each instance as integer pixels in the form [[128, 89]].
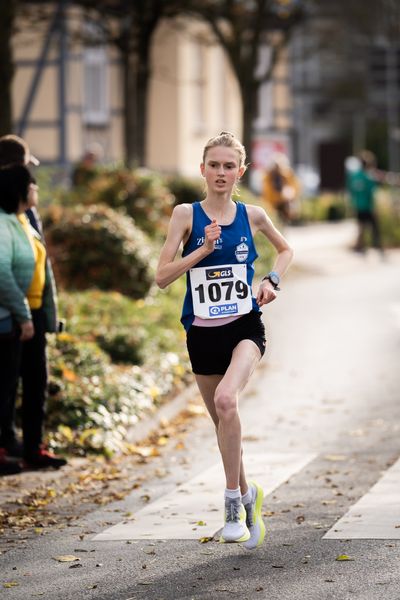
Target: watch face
[[273, 278]]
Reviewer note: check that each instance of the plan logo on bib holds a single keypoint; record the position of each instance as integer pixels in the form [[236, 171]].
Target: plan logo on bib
[[242, 250]]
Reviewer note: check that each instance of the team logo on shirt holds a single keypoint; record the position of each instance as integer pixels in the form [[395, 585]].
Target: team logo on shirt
[[242, 250], [218, 273]]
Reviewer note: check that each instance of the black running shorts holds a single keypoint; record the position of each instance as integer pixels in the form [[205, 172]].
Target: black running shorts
[[210, 348]]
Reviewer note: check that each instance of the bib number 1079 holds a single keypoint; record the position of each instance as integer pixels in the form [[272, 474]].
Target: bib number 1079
[[222, 291]]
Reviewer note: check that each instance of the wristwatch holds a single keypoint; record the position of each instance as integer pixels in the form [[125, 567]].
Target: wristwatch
[[274, 279]]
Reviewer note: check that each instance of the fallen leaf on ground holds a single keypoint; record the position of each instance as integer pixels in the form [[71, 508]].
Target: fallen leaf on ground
[[344, 557], [10, 584], [335, 457], [162, 440], [195, 409], [204, 540], [66, 558]]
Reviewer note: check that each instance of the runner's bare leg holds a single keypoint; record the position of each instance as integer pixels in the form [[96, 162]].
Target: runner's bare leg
[[221, 394]]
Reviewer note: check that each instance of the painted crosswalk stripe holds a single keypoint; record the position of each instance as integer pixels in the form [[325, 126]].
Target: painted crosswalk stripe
[[376, 515], [195, 509]]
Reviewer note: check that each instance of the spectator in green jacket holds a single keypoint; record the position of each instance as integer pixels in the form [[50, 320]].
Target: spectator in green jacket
[[27, 310], [361, 186]]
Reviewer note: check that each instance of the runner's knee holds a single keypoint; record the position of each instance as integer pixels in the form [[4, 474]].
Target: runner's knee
[[225, 404]]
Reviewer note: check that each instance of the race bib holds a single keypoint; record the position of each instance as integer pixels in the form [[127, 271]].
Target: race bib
[[220, 291]]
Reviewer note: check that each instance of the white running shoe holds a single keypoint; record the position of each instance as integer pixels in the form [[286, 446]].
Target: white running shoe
[[254, 519], [235, 528]]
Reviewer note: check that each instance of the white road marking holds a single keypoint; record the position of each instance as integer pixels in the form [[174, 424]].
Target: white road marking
[[177, 514], [376, 516]]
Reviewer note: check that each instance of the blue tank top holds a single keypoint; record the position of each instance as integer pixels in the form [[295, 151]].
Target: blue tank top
[[235, 246]]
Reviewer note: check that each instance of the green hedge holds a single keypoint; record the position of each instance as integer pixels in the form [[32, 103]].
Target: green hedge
[[98, 246]]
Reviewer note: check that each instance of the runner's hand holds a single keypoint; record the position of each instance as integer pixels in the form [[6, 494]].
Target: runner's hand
[[212, 233], [266, 293], [27, 331]]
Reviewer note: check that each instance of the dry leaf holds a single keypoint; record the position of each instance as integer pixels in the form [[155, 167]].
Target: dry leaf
[[162, 440], [204, 540], [343, 557], [10, 584], [69, 375], [66, 558], [335, 457], [195, 409]]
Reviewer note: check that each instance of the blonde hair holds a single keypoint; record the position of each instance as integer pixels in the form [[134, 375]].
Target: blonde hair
[[225, 138]]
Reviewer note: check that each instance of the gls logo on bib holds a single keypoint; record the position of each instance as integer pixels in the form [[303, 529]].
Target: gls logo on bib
[[218, 273]]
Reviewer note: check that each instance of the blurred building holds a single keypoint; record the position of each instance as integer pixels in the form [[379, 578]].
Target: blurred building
[[345, 85], [68, 95]]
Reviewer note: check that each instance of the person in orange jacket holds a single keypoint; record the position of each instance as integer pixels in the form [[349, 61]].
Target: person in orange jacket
[[281, 188]]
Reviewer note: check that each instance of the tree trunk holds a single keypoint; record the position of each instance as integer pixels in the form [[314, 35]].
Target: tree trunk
[[249, 93], [7, 15], [136, 83]]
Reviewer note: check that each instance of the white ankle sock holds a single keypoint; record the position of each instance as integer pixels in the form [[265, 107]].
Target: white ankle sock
[[232, 493]]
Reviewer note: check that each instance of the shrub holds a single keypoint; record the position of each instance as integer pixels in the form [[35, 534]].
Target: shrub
[[96, 246], [185, 189], [141, 193], [92, 403]]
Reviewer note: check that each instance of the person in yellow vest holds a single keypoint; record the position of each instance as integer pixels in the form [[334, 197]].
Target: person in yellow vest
[[281, 188], [40, 297]]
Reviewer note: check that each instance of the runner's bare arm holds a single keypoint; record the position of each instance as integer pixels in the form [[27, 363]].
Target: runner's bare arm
[[260, 221], [169, 268]]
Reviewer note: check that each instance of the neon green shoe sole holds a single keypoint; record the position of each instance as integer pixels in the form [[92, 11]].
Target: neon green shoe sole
[[257, 527]]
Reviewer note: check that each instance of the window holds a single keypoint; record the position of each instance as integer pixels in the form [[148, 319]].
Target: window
[[96, 108]]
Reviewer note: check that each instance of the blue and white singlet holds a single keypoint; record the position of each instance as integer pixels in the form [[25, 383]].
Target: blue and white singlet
[[224, 291]]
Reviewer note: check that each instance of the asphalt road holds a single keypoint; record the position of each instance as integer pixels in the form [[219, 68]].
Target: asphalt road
[[328, 390]]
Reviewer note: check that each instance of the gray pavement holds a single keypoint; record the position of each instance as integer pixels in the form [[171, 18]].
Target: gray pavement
[[328, 388]]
